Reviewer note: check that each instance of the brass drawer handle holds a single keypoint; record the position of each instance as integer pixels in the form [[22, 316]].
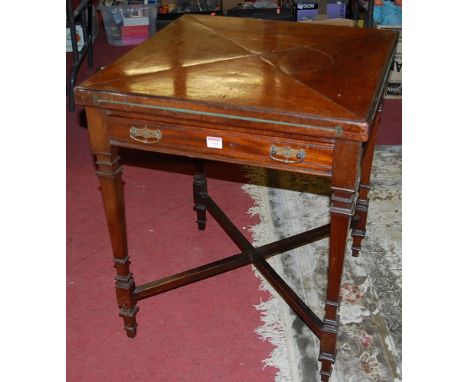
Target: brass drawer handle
[[287, 154], [145, 135]]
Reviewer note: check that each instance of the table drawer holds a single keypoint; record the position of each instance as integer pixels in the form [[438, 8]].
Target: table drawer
[[224, 145]]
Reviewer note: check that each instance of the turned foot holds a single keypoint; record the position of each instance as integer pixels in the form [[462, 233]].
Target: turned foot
[[327, 361], [129, 317], [201, 216]]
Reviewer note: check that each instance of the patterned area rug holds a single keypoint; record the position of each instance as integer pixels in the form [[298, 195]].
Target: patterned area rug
[[369, 339]]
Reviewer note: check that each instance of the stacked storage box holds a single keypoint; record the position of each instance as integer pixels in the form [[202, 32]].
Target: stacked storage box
[[128, 22]]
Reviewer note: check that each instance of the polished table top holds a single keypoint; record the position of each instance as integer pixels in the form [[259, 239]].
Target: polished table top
[[319, 78]]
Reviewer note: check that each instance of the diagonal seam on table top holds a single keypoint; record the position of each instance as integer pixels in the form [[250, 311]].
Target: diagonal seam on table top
[[149, 73], [237, 44], [175, 24], [363, 34], [217, 33], [249, 53], [343, 108], [312, 92]]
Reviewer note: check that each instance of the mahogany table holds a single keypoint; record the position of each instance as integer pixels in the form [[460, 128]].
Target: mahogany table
[[282, 95]]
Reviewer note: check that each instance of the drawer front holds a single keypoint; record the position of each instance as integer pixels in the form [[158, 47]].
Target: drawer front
[[223, 145]]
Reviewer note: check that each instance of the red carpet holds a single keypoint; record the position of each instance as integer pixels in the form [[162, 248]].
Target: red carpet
[[202, 332]]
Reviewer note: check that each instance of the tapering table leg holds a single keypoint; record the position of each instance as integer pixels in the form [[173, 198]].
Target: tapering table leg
[[110, 177], [109, 172], [199, 193], [344, 180], [362, 206]]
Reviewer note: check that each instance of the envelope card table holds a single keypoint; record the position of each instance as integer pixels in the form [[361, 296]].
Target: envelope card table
[[289, 96]]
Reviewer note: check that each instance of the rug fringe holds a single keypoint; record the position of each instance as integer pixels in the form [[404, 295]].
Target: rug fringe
[[378, 337], [273, 329]]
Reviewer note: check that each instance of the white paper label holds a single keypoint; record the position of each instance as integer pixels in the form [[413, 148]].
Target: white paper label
[[214, 142]]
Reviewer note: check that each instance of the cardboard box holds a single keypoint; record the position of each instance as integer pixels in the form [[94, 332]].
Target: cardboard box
[[308, 9], [79, 36], [228, 4], [128, 22], [394, 85]]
